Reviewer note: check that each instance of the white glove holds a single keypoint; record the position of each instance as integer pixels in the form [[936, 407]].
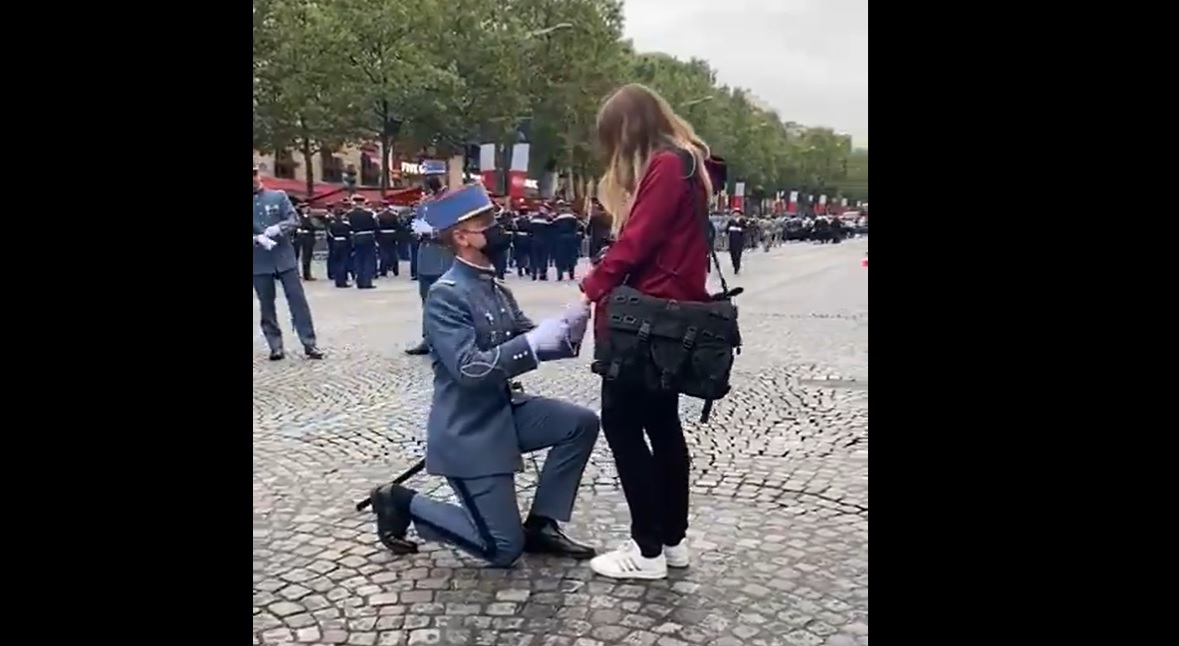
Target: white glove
[[272, 231], [266, 243], [549, 336], [577, 316], [420, 227]]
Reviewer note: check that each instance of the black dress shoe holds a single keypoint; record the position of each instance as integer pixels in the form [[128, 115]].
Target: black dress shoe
[[391, 505], [418, 350], [313, 353], [277, 355], [547, 538]]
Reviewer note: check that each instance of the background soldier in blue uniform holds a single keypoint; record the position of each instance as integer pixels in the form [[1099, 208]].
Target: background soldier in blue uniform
[[500, 259], [434, 259], [339, 234], [364, 242], [538, 263], [478, 428], [736, 228], [522, 244], [565, 232], [387, 223], [274, 262], [305, 240]]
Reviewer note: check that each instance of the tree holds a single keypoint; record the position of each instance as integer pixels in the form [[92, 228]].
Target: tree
[[297, 102], [478, 47], [440, 75], [574, 59], [389, 72]]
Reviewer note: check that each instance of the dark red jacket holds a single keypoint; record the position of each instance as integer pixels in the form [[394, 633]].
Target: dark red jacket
[[662, 250]]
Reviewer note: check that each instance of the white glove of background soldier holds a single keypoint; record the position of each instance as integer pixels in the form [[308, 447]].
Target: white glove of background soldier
[[272, 231], [550, 335], [266, 243], [420, 227]]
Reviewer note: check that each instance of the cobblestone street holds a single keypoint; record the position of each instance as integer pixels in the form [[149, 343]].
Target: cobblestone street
[[779, 532]]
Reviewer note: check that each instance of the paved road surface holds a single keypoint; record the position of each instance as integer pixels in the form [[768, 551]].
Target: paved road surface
[[780, 474]]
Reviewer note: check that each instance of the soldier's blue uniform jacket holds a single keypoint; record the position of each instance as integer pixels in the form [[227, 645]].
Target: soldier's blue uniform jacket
[[433, 259], [270, 208]]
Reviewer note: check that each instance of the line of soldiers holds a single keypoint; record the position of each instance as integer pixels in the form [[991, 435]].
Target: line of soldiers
[[364, 244]]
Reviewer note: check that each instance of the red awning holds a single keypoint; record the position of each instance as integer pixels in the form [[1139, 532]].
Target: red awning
[[293, 187], [396, 196]]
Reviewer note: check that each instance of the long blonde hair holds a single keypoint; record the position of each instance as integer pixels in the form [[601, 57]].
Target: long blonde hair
[[633, 124]]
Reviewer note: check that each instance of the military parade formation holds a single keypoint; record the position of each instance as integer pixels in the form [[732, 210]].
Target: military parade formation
[[366, 241]]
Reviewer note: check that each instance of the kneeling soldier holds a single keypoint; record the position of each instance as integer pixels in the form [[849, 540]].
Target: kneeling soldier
[[478, 428]]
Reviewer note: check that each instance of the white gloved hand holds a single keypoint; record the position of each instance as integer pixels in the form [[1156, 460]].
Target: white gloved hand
[[549, 336], [266, 243], [420, 227], [577, 316], [273, 231]]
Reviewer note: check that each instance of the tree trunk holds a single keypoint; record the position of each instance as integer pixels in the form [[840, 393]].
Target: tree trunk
[[308, 169], [385, 137]]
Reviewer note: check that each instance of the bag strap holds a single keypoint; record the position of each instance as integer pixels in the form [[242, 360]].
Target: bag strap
[[689, 163]]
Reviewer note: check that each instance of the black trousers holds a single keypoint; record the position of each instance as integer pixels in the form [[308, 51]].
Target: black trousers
[[655, 480]]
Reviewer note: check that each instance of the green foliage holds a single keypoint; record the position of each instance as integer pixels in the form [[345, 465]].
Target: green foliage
[[457, 71]]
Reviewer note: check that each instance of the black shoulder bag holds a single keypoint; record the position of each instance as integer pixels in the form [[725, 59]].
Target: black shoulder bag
[[664, 345]]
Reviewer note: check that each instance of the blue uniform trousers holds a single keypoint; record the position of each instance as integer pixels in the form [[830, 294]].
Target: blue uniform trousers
[[364, 249], [500, 262], [265, 286], [488, 523], [413, 259], [538, 264], [388, 257], [521, 252], [338, 255]]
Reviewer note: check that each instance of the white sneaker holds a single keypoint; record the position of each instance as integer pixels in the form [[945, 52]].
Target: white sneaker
[[627, 562], [677, 555]]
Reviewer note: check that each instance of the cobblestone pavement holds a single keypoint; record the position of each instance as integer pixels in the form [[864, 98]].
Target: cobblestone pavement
[[780, 498]]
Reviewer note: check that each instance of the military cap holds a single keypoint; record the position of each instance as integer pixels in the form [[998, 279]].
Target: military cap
[[359, 198], [452, 207]]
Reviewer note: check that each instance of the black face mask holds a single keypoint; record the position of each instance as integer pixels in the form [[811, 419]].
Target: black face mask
[[497, 239]]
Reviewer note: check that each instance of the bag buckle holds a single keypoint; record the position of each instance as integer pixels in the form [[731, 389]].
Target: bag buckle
[[645, 331], [689, 338], [615, 367]]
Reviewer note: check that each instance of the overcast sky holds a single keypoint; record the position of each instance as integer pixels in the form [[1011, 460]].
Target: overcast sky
[[806, 58]]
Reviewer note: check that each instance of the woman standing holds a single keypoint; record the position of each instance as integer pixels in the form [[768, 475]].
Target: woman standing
[[652, 193]]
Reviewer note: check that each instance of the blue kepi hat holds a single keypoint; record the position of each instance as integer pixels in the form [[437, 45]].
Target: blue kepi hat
[[452, 207]]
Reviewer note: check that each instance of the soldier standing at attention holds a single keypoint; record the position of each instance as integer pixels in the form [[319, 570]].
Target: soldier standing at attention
[[478, 428], [364, 242], [387, 240], [434, 259], [339, 234], [736, 229], [538, 263], [563, 232], [305, 240], [274, 262], [522, 244]]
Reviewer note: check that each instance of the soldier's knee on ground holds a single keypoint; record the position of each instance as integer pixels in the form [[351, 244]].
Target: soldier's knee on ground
[[507, 550]]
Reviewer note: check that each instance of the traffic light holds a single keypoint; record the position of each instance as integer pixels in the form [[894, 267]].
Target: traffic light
[[350, 177]]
